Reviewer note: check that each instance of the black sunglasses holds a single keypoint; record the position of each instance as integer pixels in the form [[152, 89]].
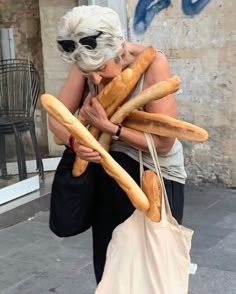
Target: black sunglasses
[[89, 42]]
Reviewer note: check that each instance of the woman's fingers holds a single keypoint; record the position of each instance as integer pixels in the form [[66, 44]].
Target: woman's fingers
[[85, 110], [87, 153]]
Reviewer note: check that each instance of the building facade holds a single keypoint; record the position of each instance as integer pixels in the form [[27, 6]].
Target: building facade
[[199, 45]]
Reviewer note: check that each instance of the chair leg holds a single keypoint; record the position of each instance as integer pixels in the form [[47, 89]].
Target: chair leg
[[20, 153], [39, 160], [23, 161], [3, 164]]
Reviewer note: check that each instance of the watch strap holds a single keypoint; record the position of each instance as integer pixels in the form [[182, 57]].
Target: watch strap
[[117, 134]]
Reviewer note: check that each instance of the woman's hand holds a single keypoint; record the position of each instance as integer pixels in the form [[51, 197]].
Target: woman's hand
[[87, 153], [93, 113]]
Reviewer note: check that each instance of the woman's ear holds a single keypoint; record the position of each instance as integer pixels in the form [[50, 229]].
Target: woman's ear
[[122, 49]]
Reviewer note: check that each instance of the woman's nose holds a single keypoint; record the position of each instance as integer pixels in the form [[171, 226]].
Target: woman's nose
[[95, 77]]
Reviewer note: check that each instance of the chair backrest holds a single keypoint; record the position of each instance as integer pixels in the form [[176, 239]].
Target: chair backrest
[[19, 88]]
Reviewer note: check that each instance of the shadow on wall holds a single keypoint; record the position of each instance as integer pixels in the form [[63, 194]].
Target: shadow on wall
[[147, 9]]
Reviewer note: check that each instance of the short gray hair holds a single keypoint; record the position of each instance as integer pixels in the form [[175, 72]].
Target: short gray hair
[[84, 21]]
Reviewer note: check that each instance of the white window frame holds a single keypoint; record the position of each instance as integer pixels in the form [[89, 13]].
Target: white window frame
[[27, 186]]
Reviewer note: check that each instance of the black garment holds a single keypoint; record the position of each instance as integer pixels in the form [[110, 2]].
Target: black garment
[[114, 207], [72, 198], [111, 207]]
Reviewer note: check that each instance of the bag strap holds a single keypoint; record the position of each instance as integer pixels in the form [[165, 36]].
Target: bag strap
[[141, 169], [165, 207]]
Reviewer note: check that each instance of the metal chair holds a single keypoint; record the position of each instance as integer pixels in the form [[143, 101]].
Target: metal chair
[[19, 92]]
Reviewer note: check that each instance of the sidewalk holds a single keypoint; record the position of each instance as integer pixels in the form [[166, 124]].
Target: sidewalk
[[34, 261]]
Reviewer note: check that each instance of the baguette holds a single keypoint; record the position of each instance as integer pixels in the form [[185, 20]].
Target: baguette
[[119, 88], [80, 164], [109, 92], [60, 113], [151, 186], [155, 92], [163, 125], [112, 96]]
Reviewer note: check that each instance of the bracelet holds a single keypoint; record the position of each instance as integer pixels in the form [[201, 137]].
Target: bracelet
[[72, 143], [117, 134]]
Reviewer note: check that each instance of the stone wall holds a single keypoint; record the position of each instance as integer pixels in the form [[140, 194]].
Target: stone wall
[[23, 17], [201, 50]]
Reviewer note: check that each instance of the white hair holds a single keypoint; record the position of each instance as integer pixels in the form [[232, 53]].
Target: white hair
[[84, 21]]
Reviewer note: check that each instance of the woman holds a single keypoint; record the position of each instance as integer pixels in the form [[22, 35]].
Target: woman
[[90, 37]]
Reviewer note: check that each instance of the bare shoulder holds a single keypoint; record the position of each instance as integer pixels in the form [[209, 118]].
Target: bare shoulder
[[158, 71]]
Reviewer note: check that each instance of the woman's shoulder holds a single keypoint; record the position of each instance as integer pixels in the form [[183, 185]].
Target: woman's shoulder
[[138, 48], [72, 89], [158, 69]]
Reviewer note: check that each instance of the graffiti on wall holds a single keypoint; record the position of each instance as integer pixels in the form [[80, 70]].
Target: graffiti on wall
[[147, 9], [190, 8]]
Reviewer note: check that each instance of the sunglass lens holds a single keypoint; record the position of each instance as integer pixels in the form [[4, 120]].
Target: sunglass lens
[[67, 45], [89, 42]]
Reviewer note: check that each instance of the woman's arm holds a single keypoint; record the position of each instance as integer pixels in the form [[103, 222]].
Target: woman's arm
[[70, 95]]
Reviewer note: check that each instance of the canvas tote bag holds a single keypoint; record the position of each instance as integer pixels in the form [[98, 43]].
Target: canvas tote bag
[[146, 257]]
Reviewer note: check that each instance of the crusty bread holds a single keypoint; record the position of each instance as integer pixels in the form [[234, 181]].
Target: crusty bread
[[163, 125], [151, 186], [60, 113], [106, 98], [112, 96], [80, 165], [154, 92], [119, 88]]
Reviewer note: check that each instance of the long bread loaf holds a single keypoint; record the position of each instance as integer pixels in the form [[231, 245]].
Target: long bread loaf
[[60, 113], [80, 165], [163, 125], [155, 92], [112, 96], [119, 88], [106, 97], [151, 186]]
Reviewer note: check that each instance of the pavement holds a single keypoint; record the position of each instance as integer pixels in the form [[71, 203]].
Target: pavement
[[34, 261]]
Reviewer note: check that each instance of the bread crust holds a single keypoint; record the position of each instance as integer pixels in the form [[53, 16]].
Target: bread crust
[[61, 114], [157, 91], [112, 96], [163, 125], [152, 187]]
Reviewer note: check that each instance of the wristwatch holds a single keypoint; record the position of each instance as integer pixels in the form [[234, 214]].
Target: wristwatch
[[117, 134]]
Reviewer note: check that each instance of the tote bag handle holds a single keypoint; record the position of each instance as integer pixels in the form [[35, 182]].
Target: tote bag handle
[[165, 207]]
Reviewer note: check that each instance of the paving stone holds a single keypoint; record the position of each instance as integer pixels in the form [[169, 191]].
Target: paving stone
[[212, 281], [55, 280], [35, 261], [204, 238]]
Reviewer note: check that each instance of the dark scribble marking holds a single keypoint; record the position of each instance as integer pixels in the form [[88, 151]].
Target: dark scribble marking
[[145, 12], [147, 9], [190, 8]]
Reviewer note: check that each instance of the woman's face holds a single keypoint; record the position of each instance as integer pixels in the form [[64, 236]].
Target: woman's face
[[106, 72]]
